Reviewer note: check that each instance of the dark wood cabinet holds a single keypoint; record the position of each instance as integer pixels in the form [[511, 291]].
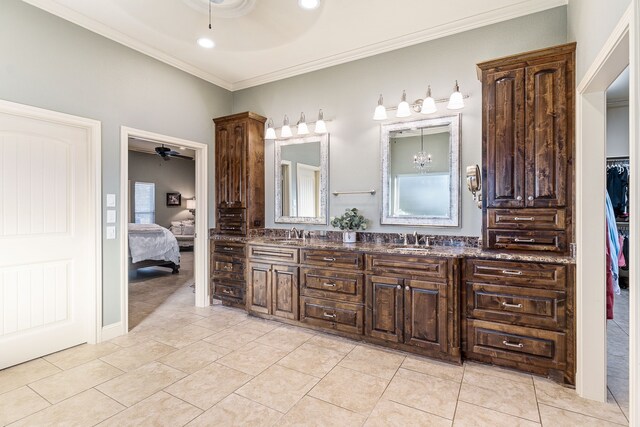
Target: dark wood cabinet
[[227, 271], [239, 165], [413, 302], [528, 149], [272, 289]]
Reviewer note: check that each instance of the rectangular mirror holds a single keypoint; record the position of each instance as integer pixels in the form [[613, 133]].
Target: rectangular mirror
[[302, 169], [421, 172]]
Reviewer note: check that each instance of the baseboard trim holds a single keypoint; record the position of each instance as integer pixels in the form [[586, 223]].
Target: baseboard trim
[[112, 331]]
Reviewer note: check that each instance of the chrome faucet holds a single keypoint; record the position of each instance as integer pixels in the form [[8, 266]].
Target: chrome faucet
[[294, 232], [416, 238], [403, 236]]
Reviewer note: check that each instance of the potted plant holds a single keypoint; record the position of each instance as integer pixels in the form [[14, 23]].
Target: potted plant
[[350, 222]]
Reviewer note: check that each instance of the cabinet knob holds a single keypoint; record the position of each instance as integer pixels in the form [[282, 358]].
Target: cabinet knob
[[406, 288], [530, 198], [519, 198], [398, 287]]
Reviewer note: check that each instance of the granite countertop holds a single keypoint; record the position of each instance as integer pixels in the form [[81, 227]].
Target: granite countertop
[[398, 249]]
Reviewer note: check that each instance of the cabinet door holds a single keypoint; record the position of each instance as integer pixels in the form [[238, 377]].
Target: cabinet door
[[547, 138], [284, 292], [259, 288], [504, 134], [425, 308], [231, 164], [384, 308]]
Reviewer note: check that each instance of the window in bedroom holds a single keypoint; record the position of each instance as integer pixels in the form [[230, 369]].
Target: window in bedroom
[[145, 202]]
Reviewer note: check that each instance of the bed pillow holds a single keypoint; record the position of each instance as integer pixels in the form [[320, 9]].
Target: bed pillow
[[176, 230], [188, 230], [176, 223], [188, 222]]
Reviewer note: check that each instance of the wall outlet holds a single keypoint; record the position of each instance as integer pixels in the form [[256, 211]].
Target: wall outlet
[[111, 232]]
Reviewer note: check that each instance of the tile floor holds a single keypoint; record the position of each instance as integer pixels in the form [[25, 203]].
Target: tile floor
[[216, 366]]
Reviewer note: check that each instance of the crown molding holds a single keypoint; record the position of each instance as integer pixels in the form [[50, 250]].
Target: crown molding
[[480, 20], [108, 32], [523, 8]]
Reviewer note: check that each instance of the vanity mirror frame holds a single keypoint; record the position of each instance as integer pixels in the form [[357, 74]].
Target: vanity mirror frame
[[453, 218], [324, 180]]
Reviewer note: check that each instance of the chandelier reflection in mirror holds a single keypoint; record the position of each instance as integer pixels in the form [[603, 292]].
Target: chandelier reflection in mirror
[[422, 160]]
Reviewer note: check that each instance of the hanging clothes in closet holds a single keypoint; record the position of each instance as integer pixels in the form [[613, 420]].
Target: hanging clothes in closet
[[615, 258], [618, 186]]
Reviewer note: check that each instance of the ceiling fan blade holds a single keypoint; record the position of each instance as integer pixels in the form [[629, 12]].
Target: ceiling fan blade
[[173, 153]]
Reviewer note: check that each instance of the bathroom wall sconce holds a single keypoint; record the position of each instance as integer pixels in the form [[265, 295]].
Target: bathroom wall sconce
[[423, 106], [320, 127]]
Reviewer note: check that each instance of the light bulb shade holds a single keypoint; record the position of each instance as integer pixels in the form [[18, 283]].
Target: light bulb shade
[[303, 129], [428, 106], [321, 127], [455, 101], [403, 107], [191, 204], [271, 132], [285, 132], [381, 112]]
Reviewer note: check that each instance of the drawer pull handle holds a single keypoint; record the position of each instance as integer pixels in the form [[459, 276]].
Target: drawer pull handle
[[274, 254], [510, 344], [331, 285], [519, 240], [328, 259], [227, 268], [524, 218], [512, 272], [227, 291], [329, 315], [507, 305], [227, 248]]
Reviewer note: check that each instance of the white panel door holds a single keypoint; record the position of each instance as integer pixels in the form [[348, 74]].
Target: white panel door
[[307, 190], [46, 235]]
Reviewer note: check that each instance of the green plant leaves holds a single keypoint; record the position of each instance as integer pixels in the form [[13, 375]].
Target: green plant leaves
[[351, 220]]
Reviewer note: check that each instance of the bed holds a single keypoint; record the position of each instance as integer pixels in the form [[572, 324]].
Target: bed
[[151, 245]]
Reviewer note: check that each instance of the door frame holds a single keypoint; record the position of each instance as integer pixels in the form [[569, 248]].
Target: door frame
[[201, 239], [94, 139], [620, 50]]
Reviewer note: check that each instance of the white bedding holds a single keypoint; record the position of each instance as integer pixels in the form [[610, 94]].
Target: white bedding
[[152, 242]]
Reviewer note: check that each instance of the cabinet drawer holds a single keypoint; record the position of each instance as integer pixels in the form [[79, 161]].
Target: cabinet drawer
[[550, 276], [227, 291], [231, 221], [332, 315], [518, 306], [332, 284], [331, 258], [228, 267], [407, 265], [517, 344], [229, 248], [549, 241], [527, 219], [271, 253]]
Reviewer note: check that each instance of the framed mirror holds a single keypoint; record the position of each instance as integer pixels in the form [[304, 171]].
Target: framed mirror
[[302, 176], [421, 172]]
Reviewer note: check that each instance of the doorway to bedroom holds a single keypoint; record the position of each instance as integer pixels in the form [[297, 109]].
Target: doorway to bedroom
[[164, 242]]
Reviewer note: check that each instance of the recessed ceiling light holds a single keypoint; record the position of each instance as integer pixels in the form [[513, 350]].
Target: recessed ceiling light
[[206, 43], [309, 4]]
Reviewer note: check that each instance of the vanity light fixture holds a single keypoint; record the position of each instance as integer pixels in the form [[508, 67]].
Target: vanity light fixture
[[285, 132], [422, 160], [321, 126], [381, 112], [271, 132], [309, 4], [455, 101], [428, 104], [303, 129], [403, 107]]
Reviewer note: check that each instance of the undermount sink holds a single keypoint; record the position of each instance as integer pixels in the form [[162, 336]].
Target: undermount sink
[[412, 248]]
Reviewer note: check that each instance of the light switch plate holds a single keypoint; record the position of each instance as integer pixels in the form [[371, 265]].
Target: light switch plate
[[111, 200], [111, 216], [111, 232]]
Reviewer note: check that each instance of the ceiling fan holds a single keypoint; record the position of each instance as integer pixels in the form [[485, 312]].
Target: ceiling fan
[[167, 153]]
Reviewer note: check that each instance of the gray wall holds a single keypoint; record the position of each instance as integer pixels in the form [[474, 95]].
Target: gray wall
[[348, 94], [590, 22], [618, 131], [50, 63], [173, 176]]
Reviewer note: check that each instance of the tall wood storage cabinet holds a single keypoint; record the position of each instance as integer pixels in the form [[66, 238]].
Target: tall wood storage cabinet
[[239, 184], [527, 150]]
